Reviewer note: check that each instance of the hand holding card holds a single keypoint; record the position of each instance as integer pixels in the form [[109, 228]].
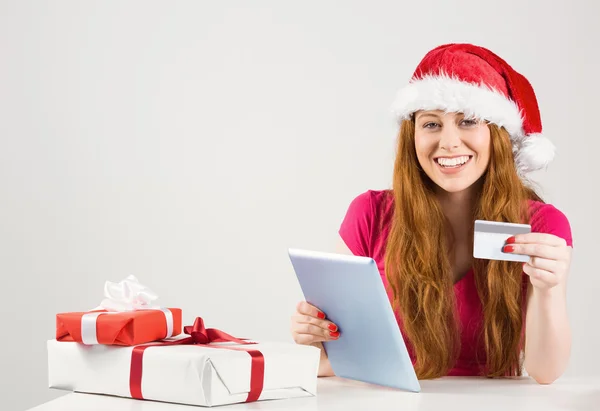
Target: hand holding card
[[548, 258], [490, 238]]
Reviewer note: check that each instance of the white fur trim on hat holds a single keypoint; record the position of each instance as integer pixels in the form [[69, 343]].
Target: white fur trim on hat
[[449, 94], [442, 92]]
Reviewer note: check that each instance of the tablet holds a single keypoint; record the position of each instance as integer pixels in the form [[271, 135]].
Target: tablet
[[349, 290]]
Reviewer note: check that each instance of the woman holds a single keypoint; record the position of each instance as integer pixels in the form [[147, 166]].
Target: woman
[[470, 131]]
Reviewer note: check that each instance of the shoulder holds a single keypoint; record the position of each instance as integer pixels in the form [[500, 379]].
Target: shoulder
[[361, 224], [370, 198], [546, 218], [371, 203]]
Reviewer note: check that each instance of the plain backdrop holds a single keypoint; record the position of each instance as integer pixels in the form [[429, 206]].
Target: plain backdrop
[[190, 143]]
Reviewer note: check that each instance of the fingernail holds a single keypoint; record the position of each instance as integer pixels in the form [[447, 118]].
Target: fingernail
[[321, 315], [508, 249], [332, 327], [335, 334], [510, 240]]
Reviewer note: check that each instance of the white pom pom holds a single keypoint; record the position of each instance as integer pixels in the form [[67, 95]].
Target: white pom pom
[[534, 153]]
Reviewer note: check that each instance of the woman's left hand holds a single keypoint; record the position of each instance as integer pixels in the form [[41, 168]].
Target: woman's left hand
[[550, 258]]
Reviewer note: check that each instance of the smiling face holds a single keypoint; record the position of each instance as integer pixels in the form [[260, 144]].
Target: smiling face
[[452, 150]]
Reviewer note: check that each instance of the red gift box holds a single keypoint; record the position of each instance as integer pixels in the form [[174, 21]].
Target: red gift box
[[121, 328], [126, 316]]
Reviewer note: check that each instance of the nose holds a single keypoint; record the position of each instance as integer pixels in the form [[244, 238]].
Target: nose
[[450, 137]]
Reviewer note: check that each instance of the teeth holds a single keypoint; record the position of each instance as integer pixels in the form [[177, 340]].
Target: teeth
[[449, 162]]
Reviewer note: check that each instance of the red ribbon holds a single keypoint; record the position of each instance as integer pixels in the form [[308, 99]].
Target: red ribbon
[[199, 335]]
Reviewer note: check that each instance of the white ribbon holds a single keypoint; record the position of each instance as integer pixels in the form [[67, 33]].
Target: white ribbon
[[127, 295]]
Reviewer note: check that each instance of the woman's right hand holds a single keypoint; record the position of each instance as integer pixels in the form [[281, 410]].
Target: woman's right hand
[[309, 325]]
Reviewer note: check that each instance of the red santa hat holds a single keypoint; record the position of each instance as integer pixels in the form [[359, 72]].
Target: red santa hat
[[474, 81]]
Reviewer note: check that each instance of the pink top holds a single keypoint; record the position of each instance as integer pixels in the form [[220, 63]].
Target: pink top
[[360, 231]]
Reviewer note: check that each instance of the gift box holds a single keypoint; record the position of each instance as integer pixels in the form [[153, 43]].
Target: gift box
[[126, 316], [119, 328], [206, 368]]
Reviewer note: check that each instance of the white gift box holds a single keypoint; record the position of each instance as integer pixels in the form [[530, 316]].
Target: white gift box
[[186, 374]]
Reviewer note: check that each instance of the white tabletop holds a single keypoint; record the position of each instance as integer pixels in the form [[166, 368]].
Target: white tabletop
[[444, 394]]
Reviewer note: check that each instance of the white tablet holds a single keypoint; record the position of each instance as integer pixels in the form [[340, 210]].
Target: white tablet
[[349, 290]]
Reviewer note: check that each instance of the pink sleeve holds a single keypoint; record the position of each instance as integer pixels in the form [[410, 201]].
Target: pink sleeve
[[548, 219], [356, 226]]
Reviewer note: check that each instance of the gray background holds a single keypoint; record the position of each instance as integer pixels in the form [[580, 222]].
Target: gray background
[[192, 143]]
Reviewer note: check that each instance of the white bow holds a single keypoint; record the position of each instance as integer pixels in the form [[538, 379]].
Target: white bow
[[127, 295]]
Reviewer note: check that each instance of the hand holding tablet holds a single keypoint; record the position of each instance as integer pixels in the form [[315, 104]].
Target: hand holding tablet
[[309, 325], [349, 289]]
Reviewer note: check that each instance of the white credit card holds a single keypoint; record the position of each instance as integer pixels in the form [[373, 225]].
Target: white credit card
[[490, 237]]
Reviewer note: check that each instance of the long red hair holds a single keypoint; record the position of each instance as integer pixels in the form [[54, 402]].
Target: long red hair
[[418, 265]]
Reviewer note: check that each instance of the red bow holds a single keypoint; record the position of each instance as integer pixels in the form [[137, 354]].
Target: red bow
[[199, 335]]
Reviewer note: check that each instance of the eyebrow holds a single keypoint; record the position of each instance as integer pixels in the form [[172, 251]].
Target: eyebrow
[[428, 115]]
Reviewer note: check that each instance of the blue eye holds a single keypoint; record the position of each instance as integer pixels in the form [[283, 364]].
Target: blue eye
[[430, 125], [469, 122]]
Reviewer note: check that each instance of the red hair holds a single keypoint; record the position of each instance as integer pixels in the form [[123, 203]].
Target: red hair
[[419, 269]]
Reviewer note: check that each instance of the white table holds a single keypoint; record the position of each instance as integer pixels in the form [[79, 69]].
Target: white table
[[444, 394]]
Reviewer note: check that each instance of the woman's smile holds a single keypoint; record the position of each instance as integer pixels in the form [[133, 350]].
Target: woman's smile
[[452, 165]]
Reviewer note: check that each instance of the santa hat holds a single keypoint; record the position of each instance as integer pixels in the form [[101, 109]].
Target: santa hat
[[474, 81]]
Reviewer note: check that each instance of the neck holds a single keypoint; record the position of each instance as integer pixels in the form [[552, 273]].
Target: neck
[[460, 202], [457, 207]]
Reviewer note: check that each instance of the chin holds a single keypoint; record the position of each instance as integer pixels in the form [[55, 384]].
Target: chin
[[455, 186]]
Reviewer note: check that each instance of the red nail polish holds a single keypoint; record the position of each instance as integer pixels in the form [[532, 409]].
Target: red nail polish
[[335, 334], [321, 315], [510, 240], [508, 249], [332, 327]]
